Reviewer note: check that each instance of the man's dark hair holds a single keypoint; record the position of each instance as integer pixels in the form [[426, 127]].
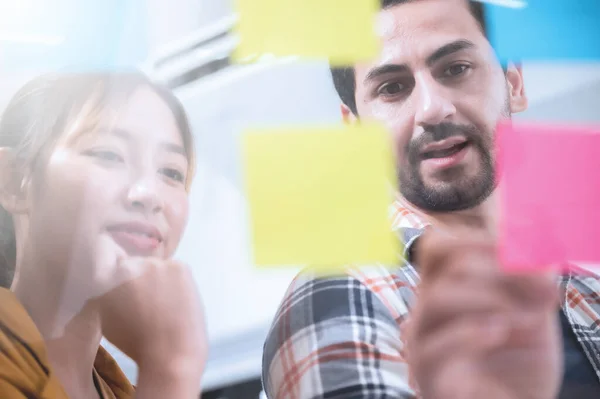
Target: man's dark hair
[[344, 78]]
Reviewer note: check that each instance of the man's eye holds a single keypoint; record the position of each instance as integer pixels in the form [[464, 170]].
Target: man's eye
[[456, 70], [391, 89], [105, 155]]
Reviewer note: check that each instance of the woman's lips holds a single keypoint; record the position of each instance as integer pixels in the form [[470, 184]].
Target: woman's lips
[[138, 239]]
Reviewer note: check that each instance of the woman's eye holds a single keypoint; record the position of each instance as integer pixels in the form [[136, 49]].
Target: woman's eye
[[173, 174], [456, 70], [105, 155], [391, 89]]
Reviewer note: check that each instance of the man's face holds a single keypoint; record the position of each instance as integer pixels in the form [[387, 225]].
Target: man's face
[[440, 91]]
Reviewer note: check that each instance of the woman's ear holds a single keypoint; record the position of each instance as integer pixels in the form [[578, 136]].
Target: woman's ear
[[516, 88], [14, 187]]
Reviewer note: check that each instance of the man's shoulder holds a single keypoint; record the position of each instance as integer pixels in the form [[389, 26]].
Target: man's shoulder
[[325, 323], [403, 270], [393, 286]]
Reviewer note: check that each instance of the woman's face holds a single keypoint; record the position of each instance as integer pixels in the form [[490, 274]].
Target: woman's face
[[115, 189]]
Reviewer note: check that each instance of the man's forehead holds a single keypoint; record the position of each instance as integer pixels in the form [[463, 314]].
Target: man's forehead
[[417, 28]]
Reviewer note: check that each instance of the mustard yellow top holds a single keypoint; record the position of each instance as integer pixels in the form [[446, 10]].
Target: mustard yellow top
[[24, 368]]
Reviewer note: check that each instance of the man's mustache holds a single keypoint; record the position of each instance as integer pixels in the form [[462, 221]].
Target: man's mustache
[[439, 132]]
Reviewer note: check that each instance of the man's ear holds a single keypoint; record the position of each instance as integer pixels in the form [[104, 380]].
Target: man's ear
[[13, 185], [516, 88], [347, 115]]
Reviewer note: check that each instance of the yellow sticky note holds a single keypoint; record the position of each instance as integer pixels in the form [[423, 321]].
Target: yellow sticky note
[[339, 30], [320, 197]]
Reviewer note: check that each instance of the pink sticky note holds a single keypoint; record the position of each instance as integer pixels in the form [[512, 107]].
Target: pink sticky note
[[550, 189]]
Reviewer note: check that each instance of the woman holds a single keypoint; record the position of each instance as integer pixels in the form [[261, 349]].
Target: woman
[[95, 171]]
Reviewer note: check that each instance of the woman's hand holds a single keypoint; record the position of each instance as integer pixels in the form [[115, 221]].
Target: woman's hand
[[155, 317]]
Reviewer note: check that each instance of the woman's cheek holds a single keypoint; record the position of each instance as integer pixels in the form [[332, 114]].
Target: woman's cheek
[[177, 214]]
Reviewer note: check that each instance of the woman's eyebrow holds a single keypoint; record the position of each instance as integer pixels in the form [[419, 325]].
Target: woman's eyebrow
[[168, 146]]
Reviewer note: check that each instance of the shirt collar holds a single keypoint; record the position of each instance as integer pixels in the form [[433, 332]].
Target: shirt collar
[[405, 216]]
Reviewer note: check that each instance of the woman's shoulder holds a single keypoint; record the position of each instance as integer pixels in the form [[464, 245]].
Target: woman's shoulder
[[111, 376], [15, 321], [24, 368]]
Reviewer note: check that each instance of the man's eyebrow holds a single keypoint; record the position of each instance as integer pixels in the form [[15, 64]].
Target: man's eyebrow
[[447, 49], [438, 54], [384, 70]]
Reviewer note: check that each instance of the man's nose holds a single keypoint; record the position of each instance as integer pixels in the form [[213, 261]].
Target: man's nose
[[433, 102]]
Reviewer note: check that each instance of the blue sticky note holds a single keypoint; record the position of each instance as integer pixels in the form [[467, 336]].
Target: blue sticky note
[[77, 36], [545, 30]]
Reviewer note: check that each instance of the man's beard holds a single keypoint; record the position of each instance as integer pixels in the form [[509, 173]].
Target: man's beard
[[458, 191]]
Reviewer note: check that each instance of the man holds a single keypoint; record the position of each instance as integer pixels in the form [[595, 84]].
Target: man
[[472, 331]]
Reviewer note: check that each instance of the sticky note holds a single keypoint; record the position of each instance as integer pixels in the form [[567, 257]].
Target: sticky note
[[550, 195], [73, 35], [339, 30], [320, 197], [545, 30]]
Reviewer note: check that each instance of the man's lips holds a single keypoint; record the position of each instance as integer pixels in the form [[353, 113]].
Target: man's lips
[[444, 148]]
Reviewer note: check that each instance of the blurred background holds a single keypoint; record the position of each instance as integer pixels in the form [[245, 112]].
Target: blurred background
[[187, 45]]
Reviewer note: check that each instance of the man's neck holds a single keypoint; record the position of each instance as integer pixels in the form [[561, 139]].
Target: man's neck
[[72, 337], [483, 217]]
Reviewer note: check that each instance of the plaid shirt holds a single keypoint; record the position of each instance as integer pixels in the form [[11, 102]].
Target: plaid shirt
[[341, 337]]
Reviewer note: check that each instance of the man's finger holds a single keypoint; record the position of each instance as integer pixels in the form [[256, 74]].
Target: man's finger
[[467, 336], [455, 257], [442, 304]]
